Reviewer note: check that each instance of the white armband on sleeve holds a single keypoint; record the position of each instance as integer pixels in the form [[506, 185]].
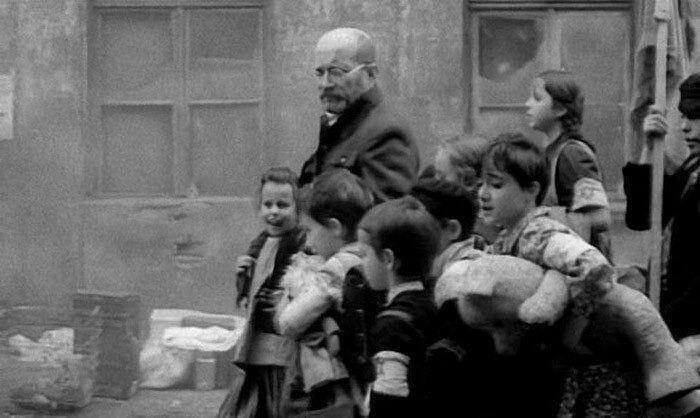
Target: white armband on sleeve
[[589, 193], [392, 373]]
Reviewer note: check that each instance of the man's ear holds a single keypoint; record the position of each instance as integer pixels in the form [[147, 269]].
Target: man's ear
[[336, 227], [387, 257], [453, 229], [369, 75], [372, 70], [558, 109]]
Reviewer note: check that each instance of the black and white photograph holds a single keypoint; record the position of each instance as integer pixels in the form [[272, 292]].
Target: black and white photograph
[[349, 208]]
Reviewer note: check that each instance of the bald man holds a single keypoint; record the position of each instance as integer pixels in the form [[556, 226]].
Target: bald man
[[358, 130]]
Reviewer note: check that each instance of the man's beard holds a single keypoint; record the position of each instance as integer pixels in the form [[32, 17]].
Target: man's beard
[[333, 103]]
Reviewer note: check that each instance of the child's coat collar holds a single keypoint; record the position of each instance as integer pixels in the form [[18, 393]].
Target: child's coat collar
[[403, 287]]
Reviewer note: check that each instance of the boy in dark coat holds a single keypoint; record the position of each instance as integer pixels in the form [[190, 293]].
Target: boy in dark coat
[[398, 241], [680, 295]]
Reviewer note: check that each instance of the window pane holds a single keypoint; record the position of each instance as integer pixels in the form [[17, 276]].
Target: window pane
[[496, 121], [134, 55], [601, 71], [225, 54], [226, 148], [137, 149], [602, 126], [221, 33], [509, 58]]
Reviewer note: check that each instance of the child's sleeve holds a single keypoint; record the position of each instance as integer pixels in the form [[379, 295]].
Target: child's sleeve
[[554, 246], [394, 340], [310, 293], [578, 182], [296, 314]]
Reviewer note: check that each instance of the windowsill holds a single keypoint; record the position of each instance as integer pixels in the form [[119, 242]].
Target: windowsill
[[162, 201]]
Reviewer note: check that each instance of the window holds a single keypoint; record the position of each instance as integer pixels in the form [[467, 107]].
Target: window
[[175, 96], [510, 45]]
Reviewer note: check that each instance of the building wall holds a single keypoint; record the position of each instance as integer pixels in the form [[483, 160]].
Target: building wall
[[419, 46], [41, 166], [180, 252]]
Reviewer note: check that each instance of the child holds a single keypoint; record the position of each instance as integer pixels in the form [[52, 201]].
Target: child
[[555, 108], [455, 209], [458, 160], [263, 353], [680, 292], [515, 180], [458, 363], [329, 308], [399, 239]]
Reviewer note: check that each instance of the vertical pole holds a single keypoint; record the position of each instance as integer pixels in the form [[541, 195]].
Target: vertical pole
[[662, 15]]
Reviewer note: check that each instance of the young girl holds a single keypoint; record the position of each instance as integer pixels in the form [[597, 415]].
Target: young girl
[[555, 108], [262, 353]]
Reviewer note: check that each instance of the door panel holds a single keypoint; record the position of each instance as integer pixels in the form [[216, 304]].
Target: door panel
[[602, 74], [137, 149], [135, 56], [225, 50], [513, 47], [225, 142], [511, 53]]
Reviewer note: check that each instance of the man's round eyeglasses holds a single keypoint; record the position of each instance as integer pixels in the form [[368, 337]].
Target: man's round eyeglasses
[[335, 72]]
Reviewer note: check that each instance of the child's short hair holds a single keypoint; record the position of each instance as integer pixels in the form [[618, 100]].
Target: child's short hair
[[337, 194], [512, 153], [447, 200], [465, 152], [566, 93], [406, 228], [281, 175]]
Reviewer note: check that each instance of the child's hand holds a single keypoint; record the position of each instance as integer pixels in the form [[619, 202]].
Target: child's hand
[[345, 259], [243, 263], [333, 345], [268, 299], [331, 329], [654, 125]]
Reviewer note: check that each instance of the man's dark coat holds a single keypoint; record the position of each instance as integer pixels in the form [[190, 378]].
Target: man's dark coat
[[371, 141]]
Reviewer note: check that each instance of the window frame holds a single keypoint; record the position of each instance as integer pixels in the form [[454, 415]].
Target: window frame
[[181, 105], [475, 9]]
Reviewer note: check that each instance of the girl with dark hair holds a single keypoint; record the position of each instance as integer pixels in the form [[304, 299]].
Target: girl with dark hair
[[555, 108]]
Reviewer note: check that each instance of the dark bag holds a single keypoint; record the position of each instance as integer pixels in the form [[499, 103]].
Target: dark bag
[[360, 307]]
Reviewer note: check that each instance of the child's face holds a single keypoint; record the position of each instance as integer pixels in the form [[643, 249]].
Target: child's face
[[277, 207], [691, 133], [376, 272], [541, 114], [322, 240], [502, 201]]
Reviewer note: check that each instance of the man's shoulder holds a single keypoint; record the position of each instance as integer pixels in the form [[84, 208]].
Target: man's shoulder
[[382, 116], [387, 115]]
